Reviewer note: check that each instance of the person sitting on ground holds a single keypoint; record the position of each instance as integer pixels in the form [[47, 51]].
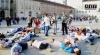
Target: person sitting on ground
[[18, 48], [67, 47], [40, 44]]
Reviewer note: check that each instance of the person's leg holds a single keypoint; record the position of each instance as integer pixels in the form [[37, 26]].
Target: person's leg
[[17, 35], [23, 45], [28, 25], [63, 28], [57, 43], [54, 27], [7, 23], [46, 30], [89, 41], [91, 38]]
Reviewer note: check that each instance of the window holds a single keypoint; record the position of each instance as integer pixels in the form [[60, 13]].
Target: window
[[26, 7], [30, 7], [37, 8], [86, 6], [90, 6], [94, 6], [79, 11], [22, 6], [22, 1]]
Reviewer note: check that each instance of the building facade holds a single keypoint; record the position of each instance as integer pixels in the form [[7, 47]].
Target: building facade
[[4, 8], [52, 7], [24, 8], [85, 7]]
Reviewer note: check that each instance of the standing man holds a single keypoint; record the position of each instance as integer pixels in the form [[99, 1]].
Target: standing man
[[7, 21], [64, 23], [29, 21], [46, 22], [54, 21]]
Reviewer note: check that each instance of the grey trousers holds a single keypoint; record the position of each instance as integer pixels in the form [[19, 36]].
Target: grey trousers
[[55, 27]]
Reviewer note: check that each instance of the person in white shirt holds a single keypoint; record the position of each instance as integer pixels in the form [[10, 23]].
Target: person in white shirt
[[46, 21], [54, 23], [39, 44]]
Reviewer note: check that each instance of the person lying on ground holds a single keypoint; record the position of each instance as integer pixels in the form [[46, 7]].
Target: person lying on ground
[[6, 43], [71, 40], [17, 48], [27, 36], [67, 47], [40, 45], [13, 31], [89, 37]]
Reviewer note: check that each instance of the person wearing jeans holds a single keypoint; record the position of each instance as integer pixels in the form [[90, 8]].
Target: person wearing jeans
[[89, 39], [46, 30], [46, 22]]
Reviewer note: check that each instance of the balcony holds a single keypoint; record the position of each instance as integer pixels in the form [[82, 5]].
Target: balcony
[[3, 8]]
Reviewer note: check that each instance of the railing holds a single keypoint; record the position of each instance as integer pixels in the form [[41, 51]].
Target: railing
[[4, 8]]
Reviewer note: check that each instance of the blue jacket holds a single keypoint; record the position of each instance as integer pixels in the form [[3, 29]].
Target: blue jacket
[[66, 48]]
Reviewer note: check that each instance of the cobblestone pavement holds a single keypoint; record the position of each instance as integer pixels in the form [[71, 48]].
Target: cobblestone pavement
[[85, 48]]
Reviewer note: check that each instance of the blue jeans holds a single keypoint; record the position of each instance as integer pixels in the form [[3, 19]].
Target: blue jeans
[[32, 35], [89, 39], [46, 30]]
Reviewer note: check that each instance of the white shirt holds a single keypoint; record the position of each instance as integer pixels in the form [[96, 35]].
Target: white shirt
[[36, 44], [47, 21]]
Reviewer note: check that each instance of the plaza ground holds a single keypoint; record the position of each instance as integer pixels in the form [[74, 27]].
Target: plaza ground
[[85, 48]]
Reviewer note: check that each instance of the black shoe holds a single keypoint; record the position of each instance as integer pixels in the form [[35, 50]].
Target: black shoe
[[46, 35], [62, 34], [54, 33]]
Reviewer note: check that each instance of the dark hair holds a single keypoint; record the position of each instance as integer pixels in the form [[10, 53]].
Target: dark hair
[[32, 42], [78, 52], [46, 14], [6, 40], [67, 43]]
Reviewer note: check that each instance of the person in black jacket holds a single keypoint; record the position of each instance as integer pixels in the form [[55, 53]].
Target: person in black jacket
[[64, 23], [0, 20]]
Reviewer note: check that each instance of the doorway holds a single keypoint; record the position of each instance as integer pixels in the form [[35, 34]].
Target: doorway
[[2, 14]]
